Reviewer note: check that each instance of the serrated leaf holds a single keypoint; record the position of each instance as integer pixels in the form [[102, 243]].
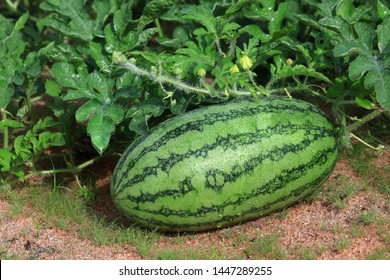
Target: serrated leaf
[[100, 128], [378, 75]]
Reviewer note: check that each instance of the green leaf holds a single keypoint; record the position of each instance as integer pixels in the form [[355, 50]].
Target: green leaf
[[364, 103], [6, 27], [383, 94], [121, 18], [383, 32], [10, 123], [19, 24], [74, 21], [65, 74], [360, 66], [91, 107], [21, 148], [100, 128], [267, 12], [344, 9], [102, 84], [127, 86], [360, 45], [6, 93], [5, 160], [117, 42], [96, 50], [49, 139], [139, 124], [299, 70], [52, 88], [103, 10], [45, 123], [325, 8], [154, 9], [142, 112], [201, 14], [114, 112], [378, 75], [383, 11], [32, 65]]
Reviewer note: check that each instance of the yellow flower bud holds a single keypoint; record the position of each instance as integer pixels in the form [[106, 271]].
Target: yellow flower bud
[[234, 69], [178, 71], [118, 58], [289, 62], [246, 62], [201, 73]]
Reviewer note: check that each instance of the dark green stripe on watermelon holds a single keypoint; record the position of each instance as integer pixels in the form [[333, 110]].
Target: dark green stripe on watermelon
[[225, 164]]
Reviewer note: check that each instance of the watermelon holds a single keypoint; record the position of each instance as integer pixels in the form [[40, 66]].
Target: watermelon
[[225, 164]]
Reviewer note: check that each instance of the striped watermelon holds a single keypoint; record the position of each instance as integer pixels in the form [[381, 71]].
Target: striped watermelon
[[224, 164]]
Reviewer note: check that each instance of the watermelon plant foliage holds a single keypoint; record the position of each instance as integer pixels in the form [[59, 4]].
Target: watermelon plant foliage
[[86, 78]]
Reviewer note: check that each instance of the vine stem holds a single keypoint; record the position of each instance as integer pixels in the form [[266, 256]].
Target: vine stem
[[365, 119], [379, 149], [121, 61], [5, 134], [74, 169]]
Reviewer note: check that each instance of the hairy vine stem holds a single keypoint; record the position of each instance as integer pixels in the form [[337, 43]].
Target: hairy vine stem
[[121, 61], [74, 169]]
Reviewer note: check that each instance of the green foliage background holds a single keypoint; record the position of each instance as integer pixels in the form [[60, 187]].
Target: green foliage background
[[83, 78]]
